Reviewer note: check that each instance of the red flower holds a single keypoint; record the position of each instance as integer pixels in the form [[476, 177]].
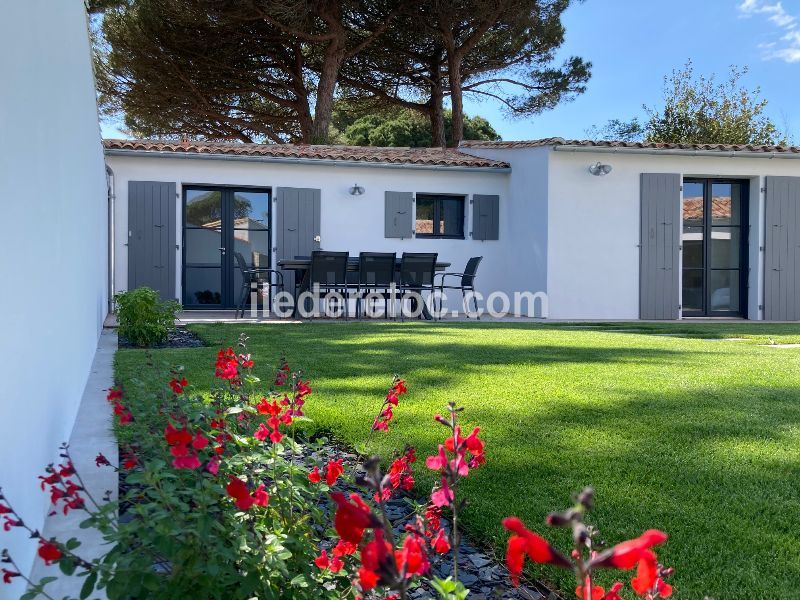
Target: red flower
[[176, 436], [411, 558], [524, 542], [334, 565], [400, 387], [627, 554], [177, 386], [101, 461], [213, 465], [114, 393], [302, 390], [440, 543], [7, 575], [276, 436], [333, 471], [49, 552], [200, 441], [352, 517], [260, 496], [243, 499], [322, 560], [344, 548], [598, 593], [129, 462], [613, 593], [374, 556], [442, 496], [314, 476], [227, 366], [646, 573], [267, 408], [438, 462], [9, 523], [262, 433], [187, 462]]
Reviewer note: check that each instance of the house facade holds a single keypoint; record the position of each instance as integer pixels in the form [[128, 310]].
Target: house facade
[[54, 245], [603, 230]]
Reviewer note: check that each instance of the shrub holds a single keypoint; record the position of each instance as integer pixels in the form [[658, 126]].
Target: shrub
[[224, 499], [144, 319]]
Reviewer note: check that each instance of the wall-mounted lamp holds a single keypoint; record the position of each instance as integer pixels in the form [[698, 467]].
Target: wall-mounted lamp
[[356, 190], [599, 169]]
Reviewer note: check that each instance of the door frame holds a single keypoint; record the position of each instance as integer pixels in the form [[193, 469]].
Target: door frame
[[744, 238], [227, 265]]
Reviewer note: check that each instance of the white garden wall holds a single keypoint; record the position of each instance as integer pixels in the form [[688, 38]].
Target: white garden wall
[[53, 253], [351, 223], [593, 253]]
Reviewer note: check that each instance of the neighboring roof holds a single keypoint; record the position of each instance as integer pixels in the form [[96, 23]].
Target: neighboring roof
[[423, 157], [557, 141]]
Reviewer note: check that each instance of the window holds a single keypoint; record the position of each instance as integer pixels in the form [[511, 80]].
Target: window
[[440, 216]]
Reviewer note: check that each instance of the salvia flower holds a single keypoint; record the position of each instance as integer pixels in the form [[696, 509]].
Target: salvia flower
[[627, 554], [352, 517], [177, 385], [48, 552], [524, 543], [333, 471], [9, 575], [243, 499]]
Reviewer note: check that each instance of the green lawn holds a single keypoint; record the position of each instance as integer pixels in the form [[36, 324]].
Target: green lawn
[[695, 436]]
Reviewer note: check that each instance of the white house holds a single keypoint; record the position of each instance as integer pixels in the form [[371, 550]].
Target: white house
[[53, 247], [607, 230]]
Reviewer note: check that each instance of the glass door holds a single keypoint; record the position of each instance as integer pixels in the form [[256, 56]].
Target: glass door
[[714, 247], [218, 223]]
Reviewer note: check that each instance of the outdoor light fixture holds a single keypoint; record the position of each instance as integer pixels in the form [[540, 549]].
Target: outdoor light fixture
[[356, 190], [599, 169]]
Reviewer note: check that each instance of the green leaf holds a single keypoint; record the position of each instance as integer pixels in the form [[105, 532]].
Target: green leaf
[[88, 586], [67, 566], [72, 543], [299, 581]]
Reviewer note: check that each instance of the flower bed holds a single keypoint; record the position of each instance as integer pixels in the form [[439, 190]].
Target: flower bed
[[224, 498]]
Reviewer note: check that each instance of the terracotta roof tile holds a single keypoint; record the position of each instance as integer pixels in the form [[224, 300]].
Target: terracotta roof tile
[[448, 157], [557, 141]]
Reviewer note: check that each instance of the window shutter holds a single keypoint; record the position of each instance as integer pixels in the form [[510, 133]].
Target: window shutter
[[398, 215], [485, 217], [659, 273]]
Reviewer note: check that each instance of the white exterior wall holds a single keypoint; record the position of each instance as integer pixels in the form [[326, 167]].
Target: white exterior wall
[[527, 240], [351, 223], [593, 253], [53, 272]]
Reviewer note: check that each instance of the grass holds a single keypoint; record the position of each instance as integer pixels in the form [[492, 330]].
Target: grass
[[695, 436]]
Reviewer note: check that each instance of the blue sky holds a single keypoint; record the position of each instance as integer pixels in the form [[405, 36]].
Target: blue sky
[[634, 43]]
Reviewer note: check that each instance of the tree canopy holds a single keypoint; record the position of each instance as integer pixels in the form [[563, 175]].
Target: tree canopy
[[700, 110], [256, 70], [402, 127]]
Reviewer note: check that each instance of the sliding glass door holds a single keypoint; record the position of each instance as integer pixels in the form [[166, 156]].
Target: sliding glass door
[[218, 223], [714, 247]]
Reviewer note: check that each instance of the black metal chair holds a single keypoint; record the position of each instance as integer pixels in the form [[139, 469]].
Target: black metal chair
[[376, 274], [328, 273], [416, 275], [467, 283], [258, 276]]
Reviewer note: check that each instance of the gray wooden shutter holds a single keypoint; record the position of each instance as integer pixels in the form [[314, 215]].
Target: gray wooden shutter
[[398, 215], [782, 256], [660, 244], [152, 251], [298, 225], [485, 217]]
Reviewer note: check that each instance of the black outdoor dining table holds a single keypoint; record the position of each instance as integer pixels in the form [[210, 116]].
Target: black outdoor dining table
[[302, 265]]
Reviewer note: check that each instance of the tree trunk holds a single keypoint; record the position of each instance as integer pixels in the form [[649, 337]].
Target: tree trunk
[[436, 113], [323, 109], [456, 97]]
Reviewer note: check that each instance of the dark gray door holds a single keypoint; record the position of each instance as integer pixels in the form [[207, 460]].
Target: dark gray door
[[152, 252], [782, 257], [298, 225], [660, 244]]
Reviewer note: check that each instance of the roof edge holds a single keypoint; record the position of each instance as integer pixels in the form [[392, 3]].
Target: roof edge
[[499, 168]]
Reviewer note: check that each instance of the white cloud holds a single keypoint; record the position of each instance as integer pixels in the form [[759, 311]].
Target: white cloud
[[787, 46]]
